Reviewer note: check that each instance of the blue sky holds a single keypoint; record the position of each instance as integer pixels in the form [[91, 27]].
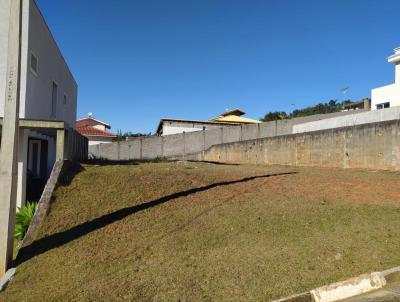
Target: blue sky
[[138, 61]]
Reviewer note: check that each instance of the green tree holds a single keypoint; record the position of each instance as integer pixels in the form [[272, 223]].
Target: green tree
[[321, 108], [274, 116]]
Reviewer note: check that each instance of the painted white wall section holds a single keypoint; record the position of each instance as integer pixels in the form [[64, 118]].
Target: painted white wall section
[[397, 77], [350, 120], [36, 90], [51, 68], [95, 140], [168, 130], [175, 127], [389, 93], [100, 127]]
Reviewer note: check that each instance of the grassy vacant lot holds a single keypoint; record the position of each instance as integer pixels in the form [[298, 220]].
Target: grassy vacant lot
[[205, 232]]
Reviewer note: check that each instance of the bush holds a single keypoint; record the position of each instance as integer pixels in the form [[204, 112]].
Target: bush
[[23, 219]]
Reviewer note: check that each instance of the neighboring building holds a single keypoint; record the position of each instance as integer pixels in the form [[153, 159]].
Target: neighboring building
[[95, 130], [169, 126], [388, 96], [234, 116], [364, 104], [48, 99], [229, 118]]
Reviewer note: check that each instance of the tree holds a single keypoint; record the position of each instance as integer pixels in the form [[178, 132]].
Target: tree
[[321, 108], [274, 116], [122, 136]]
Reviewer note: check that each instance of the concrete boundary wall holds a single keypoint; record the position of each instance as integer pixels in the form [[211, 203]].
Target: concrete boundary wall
[[375, 116], [182, 144], [374, 146]]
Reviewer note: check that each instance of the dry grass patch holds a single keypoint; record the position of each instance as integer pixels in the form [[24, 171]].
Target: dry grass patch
[[204, 232]]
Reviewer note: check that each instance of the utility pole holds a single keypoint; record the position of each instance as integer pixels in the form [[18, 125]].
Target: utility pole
[[9, 138]]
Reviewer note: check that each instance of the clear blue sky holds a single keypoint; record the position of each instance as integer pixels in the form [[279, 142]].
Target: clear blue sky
[[138, 61]]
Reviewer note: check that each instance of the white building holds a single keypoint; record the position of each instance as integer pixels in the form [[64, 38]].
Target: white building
[[95, 130], [234, 117], [48, 92], [388, 96]]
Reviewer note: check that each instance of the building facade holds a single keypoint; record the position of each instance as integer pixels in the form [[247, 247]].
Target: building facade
[[168, 126], [95, 130], [48, 92], [388, 96]]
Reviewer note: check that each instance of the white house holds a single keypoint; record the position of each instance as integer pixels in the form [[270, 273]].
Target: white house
[[95, 130], [388, 96], [48, 92], [234, 117]]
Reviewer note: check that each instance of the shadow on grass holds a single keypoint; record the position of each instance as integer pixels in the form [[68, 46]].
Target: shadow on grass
[[59, 239], [213, 162], [69, 171]]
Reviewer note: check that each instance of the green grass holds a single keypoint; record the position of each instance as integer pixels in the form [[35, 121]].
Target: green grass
[[251, 240]]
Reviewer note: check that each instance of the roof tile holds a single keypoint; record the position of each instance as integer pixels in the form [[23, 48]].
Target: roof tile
[[92, 131]]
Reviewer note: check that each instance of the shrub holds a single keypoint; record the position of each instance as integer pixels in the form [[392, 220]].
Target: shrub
[[23, 219]]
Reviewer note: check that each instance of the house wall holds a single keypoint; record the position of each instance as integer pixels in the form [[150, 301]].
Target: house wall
[[374, 146], [100, 127], [35, 91], [389, 93], [92, 123], [175, 127], [51, 67], [169, 130]]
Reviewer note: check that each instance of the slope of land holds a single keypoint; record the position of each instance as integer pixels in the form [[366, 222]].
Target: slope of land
[[206, 232]]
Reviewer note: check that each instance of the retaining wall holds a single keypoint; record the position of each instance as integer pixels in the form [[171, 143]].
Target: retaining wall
[[183, 144], [349, 120], [76, 145], [374, 146]]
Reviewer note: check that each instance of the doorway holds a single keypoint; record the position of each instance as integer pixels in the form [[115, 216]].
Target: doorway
[[34, 157], [36, 168]]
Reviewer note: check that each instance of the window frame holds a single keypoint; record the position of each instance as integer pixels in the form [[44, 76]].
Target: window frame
[[34, 72], [383, 105], [54, 104]]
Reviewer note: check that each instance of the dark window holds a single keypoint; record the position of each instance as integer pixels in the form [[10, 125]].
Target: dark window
[[383, 105], [34, 64], [54, 93], [65, 100]]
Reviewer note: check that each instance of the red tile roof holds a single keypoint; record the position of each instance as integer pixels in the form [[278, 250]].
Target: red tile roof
[[92, 131]]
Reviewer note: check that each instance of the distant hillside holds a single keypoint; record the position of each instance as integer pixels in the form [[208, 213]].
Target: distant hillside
[[321, 108]]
